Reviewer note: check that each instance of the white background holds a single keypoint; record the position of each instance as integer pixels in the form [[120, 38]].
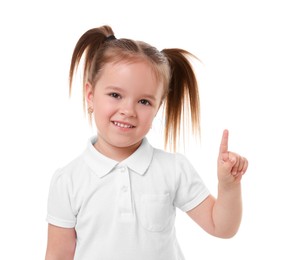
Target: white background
[[246, 84]]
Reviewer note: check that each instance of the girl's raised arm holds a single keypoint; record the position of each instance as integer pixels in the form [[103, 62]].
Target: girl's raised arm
[[221, 217]]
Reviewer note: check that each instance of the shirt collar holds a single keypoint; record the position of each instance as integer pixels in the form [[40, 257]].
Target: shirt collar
[[101, 165]]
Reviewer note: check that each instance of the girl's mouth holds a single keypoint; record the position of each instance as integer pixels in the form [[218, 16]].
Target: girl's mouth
[[122, 125]]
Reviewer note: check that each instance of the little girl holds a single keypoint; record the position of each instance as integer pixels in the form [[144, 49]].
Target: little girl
[[118, 199]]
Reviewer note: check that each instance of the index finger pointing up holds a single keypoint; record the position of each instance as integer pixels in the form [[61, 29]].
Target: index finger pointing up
[[224, 146]]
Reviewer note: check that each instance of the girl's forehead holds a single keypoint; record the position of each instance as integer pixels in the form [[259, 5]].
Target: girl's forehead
[[121, 67], [128, 61], [138, 76], [114, 65]]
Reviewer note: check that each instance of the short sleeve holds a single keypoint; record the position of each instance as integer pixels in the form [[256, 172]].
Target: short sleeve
[[190, 189], [59, 209]]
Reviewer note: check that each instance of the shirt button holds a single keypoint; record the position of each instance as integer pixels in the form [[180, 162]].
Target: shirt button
[[124, 188], [122, 170]]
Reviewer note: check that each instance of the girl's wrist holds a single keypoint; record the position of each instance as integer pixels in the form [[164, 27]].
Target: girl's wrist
[[228, 186]]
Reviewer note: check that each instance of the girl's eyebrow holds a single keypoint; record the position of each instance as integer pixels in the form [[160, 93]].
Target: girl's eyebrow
[[149, 97], [121, 90], [114, 88]]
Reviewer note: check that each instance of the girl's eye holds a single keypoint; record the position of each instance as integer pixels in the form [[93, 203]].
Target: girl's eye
[[145, 102], [115, 95]]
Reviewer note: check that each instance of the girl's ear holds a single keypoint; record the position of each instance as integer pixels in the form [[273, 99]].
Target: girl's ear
[[89, 94]]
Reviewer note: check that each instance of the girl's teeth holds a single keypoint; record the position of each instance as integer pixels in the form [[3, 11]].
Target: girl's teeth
[[122, 125]]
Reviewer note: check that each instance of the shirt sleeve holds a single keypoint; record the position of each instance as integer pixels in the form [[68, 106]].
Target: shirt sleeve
[[190, 189], [59, 209]]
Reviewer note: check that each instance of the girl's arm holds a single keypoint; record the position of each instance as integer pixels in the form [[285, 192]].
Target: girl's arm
[[61, 243], [221, 217]]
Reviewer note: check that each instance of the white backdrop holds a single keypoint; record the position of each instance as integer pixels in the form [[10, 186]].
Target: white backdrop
[[246, 85]]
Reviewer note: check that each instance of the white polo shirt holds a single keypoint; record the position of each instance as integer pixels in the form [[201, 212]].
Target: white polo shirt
[[124, 210]]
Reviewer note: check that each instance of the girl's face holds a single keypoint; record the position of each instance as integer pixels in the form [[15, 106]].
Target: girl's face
[[125, 101]]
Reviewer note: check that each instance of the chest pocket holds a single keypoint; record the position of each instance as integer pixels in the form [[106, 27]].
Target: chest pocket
[[156, 212]]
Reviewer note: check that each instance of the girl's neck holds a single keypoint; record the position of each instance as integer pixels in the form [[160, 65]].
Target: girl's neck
[[115, 153]]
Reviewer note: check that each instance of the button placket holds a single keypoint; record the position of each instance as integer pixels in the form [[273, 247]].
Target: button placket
[[125, 199]]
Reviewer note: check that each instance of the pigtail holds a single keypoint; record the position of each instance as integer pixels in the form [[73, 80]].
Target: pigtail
[[182, 104], [87, 45]]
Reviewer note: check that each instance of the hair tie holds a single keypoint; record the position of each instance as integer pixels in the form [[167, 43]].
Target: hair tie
[[109, 38]]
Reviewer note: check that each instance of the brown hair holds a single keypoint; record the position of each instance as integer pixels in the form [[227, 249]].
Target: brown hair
[[171, 66]]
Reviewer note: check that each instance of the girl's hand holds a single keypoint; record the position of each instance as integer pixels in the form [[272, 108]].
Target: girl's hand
[[230, 166]]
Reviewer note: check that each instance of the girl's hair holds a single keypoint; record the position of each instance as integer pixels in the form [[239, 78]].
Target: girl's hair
[[170, 66]]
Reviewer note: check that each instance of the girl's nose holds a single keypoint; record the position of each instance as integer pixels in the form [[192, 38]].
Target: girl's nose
[[128, 109]]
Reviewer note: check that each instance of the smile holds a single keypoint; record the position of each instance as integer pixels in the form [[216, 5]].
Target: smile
[[122, 125]]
